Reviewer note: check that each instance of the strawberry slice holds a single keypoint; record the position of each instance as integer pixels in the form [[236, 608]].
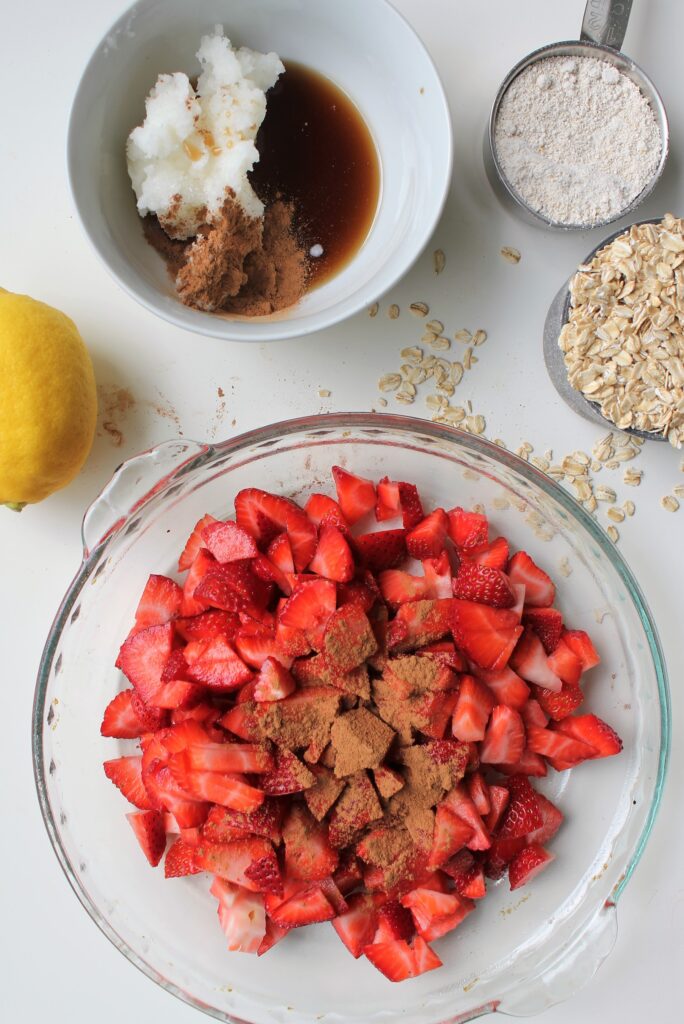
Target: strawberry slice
[[418, 623], [394, 922], [308, 854], [274, 682], [308, 906], [322, 507], [208, 625], [504, 740], [487, 635], [126, 717], [398, 961], [255, 648], [288, 776], [478, 791], [530, 661], [397, 587], [201, 565], [241, 915], [148, 827], [279, 553], [501, 854], [194, 543], [498, 798], [215, 664], [233, 586], [559, 705], [355, 495], [438, 577], [229, 757], [159, 603], [142, 659], [428, 905], [547, 623], [561, 750], [534, 714], [474, 706], [581, 646], [495, 555], [539, 589], [180, 860], [450, 835], [529, 764], [126, 774], [310, 606], [385, 549], [228, 542], [474, 582], [214, 787], [468, 876], [592, 731], [333, 559], [564, 663], [463, 807], [349, 639], [523, 814], [264, 873], [426, 540], [265, 515], [274, 934], [230, 860], [506, 685], [388, 504], [358, 925], [467, 529], [552, 819], [527, 864], [224, 824]]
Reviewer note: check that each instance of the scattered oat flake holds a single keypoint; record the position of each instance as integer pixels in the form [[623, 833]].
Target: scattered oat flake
[[616, 514], [463, 335], [440, 344], [393, 311], [510, 254], [632, 477], [613, 534], [436, 326], [324, 393], [479, 337], [382, 402], [629, 507], [669, 503], [389, 382], [439, 260], [564, 567], [500, 442], [501, 503], [419, 308], [374, 309], [678, 490]]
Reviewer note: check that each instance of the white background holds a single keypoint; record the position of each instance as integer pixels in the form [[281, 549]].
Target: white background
[[54, 964]]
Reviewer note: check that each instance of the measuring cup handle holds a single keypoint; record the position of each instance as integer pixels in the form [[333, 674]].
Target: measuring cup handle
[[605, 22]]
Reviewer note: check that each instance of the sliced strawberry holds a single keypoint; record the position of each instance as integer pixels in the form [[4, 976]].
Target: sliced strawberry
[[487, 635], [241, 915], [498, 798], [426, 540], [288, 776], [474, 582], [126, 774], [534, 714], [274, 682], [547, 623], [565, 664], [478, 791], [523, 814], [527, 864], [126, 717], [230, 860], [233, 586], [322, 506], [229, 757], [358, 925], [308, 854], [495, 555], [539, 589], [143, 656], [201, 565], [506, 685], [450, 835], [418, 623], [149, 831], [385, 549], [307, 906], [215, 664], [428, 905], [394, 922], [349, 639], [560, 705], [274, 934], [194, 543], [388, 505], [467, 529], [223, 824], [398, 961], [580, 644], [552, 819], [468, 875], [310, 606], [256, 647], [279, 553], [562, 750], [438, 576], [165, 793], [355, 495], [504, 740], [362, 590], [214, 787], [159, 603], [592, 731], [333, 559], [265, 515], [208, 625], [530, 661], [180, 860], [501, 854], [349, 875], [463, 807], [474, 706], [529, 764], [264, 873], [397, 587], [228, 542]]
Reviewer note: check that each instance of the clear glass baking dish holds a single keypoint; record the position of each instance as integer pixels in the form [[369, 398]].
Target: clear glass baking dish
[[520, 952]]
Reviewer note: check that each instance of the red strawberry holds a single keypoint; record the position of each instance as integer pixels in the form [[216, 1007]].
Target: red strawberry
[[356, 496], [307, 906], [149, 831], [445, 653], [410, 504], [552, 820], [398, 961], [274, 682], [562, 750], [208, 625], [288, 776], [498, 797], [166, 793], [126, 774], [418, 623], [394, 922], [474, 706], [506, 685], [504, 740], [523, 814], [228, 542], [592, 731], [206, 756], [349, 639], [475, 582], [382, 550], [143, 656], [265, 515], [501, 854], [258, 647], [308, 854], [280, 553], [321, 506], [388, 504], [223, 824], [215, 664], [310, 606], [487, 635], [547, 623], [241, 916], [233, 586], [428, 905], [495, 555], [194, 543], [126, 717], [539, 589], [534, 714], [580, 644], [333, 558], [565, 664], [358, 925], [201, 565], [438, 579], [159, 603], [333, 895], [478, 791], [529, 764], [530, 661], [397, 586], [214, 787], [230, 860], [527, 864], [274, 934], [180, 860], [264, 873], [463, 807], [559, 705], [441, 926], [467, 529], [451, 834], [469, 878], [426, 540]]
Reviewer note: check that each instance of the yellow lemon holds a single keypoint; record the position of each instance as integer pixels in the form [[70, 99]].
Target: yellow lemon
[[48, 401]]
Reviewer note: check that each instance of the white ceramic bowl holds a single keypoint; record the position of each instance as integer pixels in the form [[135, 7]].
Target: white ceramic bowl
[[364, 46]]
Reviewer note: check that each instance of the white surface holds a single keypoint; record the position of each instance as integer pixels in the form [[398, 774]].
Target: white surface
[[56, 965]]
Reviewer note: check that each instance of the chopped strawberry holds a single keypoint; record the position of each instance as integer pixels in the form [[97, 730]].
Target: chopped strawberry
[[255, 648], [321, 507], [473, 708], [562, 750], [559, 705], [495, 554], [274, 682], [228, 757], [180, 860], [498, 798], [530, 661], [274, 934], [233, 586], [382, 550], [552, 819], [149, 831], [500, 855], [581, 646], [230, 860], [194, 543], [308, 854], [208, 625], [126, 717], [468, 876], [397, 587], [426, 540], [487, 635], [358, 925], [398, 961], [214, 787], [539, 589], [592, 731], [529, 764], [265, 515], [438, 577], [201, 565], [288, 776], [333, 559], [467, 529], [463, 807], [474, 582], [224, 824], [307, 906], [215, 664], [228, 542], [355, 495], [394, 922], [527, 864], [159, 603], [547, 623], [478, 791], [241, 914], [418, 623], [280, 554], [428, 905], [565, 664], [504, 740], [349, 639], [523, 814], [126, 774], [310, 606], [265, 875], [451, 834], [506, 685], [143, 656], [387, 505], [443, 925]]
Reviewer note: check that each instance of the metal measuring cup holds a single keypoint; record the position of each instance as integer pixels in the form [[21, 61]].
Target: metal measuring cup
[[603, 31]]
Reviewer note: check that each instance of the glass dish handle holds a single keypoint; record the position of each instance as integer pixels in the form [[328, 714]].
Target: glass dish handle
[[133, 482]]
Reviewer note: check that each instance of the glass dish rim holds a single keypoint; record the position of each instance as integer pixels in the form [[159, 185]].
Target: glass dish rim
[[278, 431]]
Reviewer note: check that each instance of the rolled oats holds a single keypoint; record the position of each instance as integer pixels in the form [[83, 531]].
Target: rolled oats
[[510, 254], [669, 503], [393, 311], [438, 260], [419, 308]]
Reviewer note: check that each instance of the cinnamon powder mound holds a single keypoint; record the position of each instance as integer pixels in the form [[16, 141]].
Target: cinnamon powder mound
[[361, 740]]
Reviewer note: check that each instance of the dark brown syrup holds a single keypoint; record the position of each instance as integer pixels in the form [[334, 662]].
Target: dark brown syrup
[[316, 150]]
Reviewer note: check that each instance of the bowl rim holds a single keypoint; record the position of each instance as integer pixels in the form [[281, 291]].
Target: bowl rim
[[347, 421], [213, 326]]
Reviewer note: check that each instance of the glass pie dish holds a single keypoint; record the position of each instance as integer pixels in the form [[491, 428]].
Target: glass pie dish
[[520, 952]]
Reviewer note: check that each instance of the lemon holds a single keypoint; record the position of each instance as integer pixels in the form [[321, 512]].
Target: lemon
[[48, 401]]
